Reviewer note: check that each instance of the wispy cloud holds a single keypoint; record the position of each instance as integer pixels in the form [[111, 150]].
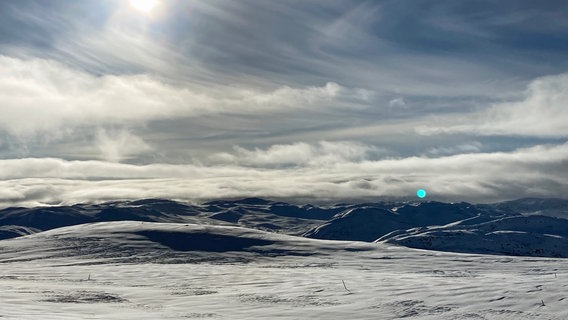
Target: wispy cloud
[[541, 112], [383, 46], [298, 154], [120, 145], [42, 95], [471, 147]]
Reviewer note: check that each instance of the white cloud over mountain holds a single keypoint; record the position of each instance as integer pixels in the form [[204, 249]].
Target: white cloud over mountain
[[535, 171]]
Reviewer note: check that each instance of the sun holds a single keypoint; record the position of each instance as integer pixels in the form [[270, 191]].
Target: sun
[[145, 6]]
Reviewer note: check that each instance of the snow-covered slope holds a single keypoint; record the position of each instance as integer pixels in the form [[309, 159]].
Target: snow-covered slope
[[360, 224], [523, 236], [10, 231], [132, 241], [535, 206], [368, 223], [144, 270], [431, 225], [252, 212]]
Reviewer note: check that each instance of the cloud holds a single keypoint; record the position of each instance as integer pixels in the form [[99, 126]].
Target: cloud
[[289, 97], [42, 95], [298, 154], [542, 112], [95, 80], [428, 49], [471, 147], [117, 146], [536, 171], [397, 103]]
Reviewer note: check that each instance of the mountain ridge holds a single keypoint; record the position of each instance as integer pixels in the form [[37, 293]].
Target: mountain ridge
[[510, 227]]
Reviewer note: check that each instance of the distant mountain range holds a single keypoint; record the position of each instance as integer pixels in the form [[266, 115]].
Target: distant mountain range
[[526, 227]]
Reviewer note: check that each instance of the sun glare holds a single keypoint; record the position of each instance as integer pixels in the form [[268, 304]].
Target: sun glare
[[145, 6]]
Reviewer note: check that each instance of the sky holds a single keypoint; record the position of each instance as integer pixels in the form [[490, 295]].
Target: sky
[[304, 101]]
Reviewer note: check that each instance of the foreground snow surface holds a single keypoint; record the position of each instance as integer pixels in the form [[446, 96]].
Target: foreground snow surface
[[134, 270]]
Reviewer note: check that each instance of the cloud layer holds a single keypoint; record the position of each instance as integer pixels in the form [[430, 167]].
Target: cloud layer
[[538, 171]]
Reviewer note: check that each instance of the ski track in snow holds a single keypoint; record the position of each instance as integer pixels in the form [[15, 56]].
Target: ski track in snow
[[46, 276]]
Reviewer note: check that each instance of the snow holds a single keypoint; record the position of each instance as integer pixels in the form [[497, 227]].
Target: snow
[[517, 235], [457, 227], [147, 270], [371, 222], [160, 259], [535, 206], [11, 231]]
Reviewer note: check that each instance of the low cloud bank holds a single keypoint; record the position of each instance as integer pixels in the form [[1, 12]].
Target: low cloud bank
[[476, 177]]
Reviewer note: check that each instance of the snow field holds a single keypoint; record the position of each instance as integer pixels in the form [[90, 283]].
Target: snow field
[[384, 282]]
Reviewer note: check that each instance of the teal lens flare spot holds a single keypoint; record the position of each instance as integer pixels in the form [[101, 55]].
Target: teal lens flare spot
[[421, 193]]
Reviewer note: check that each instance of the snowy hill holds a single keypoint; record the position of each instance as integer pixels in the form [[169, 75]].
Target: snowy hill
[[370, 222], [360, 224], [522, 236], [9, 231], [460, 227], [535, 206], [132, 241], [251, 212], [131, 270]]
